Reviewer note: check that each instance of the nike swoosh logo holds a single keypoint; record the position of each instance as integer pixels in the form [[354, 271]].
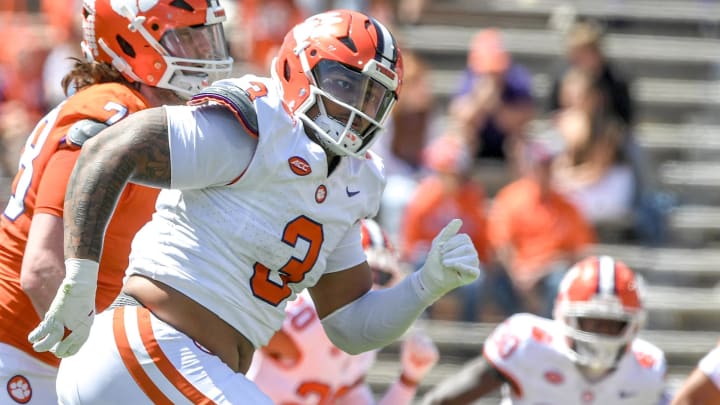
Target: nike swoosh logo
[[626, 394], [351, 193]]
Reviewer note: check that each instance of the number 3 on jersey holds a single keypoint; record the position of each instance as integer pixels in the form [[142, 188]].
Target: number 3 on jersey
[[295, 269]]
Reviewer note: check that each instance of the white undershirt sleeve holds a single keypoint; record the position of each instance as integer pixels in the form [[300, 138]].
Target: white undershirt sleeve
[[710, 366], [348, 253], [367, 323], [208, 146]]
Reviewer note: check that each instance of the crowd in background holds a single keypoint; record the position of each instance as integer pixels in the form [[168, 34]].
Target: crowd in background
[[560, 184]]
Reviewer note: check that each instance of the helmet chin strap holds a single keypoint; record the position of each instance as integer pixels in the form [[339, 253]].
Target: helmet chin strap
[[336, 130]]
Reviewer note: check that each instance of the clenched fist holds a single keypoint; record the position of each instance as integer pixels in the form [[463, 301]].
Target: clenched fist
[[67, 322], [418, 355]]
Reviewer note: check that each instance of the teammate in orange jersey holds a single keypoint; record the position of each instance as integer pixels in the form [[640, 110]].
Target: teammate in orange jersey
[[265, 181], [300, 365], [589, 354], [136, 59]]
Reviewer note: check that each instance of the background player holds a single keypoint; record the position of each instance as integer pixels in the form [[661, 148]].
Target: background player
[[135, 60], [589, 353], [300, 365], [265, 181], [702, 387]]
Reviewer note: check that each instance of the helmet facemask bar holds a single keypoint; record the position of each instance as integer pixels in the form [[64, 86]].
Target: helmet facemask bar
[[346, 108], [195, 57], [598, 351]]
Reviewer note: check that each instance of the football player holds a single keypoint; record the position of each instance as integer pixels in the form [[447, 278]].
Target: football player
[[588, 354], [702, 385], [136, 58], [264, 183], [300, 365]]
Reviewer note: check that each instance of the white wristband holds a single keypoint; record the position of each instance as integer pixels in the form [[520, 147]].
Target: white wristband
[[81, 271]]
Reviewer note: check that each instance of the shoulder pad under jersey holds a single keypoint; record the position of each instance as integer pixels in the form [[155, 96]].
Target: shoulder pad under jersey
[[83, 130], [232, 97]]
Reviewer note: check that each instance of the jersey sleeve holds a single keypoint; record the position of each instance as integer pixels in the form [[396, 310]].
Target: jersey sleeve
[[348, 253], [208, 146], [51, 190], [710, 366], [506, 349]]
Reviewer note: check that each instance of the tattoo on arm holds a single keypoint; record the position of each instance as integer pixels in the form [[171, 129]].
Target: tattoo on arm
[[135, 149]]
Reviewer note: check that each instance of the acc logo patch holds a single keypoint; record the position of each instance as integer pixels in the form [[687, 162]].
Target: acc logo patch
[[18, 387], [299, 166], [320, 194]]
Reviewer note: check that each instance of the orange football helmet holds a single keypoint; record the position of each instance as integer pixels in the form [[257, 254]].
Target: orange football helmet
[[340, 73], [173, 44], [381, 256], [600, 304]]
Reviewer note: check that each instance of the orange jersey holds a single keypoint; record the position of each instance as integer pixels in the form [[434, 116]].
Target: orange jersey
[[39, 187], [539, 229], [431, 208]]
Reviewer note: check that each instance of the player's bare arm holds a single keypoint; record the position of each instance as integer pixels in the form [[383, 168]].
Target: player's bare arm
[[697, 389], [335, 290], [135, 149], [477, 379], [42, 266]]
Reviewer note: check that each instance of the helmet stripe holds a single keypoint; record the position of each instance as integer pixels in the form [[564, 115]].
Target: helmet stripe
[[387, 48], [606, 276]]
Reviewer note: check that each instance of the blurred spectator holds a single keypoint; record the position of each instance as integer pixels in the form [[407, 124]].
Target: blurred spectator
[[584, 52], [380, 9], [628, 169], [66, 35], [449, 192], [23, 72], [410, 11], [407, 132], [15, 124], [264, 25], [495, 98], [590, 170], [536, 233]]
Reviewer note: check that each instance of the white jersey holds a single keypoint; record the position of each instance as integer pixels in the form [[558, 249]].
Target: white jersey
[[244, 249], [322, 374], [532, 353], [710, 366]]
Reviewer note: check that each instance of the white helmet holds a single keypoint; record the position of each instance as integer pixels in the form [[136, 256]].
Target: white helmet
[[599, 303]]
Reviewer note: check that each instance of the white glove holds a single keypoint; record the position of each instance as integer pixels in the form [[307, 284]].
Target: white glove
[[418, 355], [451, 263], [72, 309]]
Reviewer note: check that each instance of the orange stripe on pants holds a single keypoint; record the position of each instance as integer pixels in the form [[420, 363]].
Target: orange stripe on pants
[[164, 364], [131, 362], [158, 357]]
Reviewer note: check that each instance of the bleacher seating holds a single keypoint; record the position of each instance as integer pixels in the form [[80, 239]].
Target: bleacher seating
[[670, 49]]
